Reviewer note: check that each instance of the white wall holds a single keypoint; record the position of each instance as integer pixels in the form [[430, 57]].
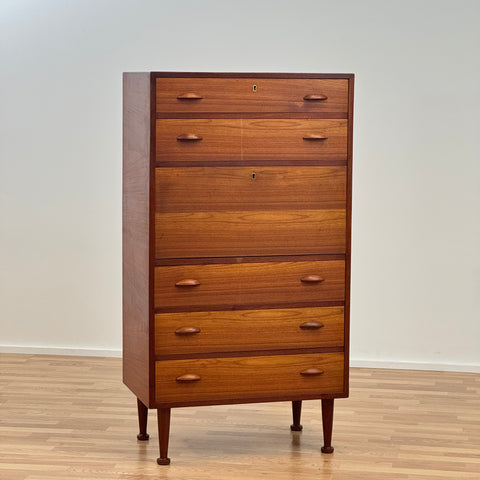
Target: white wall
[[416, 228]]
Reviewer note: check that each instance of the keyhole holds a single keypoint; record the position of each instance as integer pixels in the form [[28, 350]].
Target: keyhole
[[254, 88], [253, 175]]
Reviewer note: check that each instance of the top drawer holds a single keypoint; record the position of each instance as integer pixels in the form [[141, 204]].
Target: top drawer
[[262, 95]]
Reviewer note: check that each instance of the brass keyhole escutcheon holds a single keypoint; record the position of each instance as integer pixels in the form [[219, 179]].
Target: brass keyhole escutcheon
[[253, 175], [254, 89]]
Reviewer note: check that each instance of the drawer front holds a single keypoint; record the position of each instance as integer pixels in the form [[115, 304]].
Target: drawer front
[[237, 95], [205, 189], [250, 139], [224, 378], [247, 233], [232, 285], [246, 330]]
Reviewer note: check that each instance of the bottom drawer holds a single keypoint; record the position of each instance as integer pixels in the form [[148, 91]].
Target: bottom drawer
[[236, 377]]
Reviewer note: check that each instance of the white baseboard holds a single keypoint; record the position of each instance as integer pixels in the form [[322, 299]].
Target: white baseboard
[[81, 352], [396, 365], [439, 367]]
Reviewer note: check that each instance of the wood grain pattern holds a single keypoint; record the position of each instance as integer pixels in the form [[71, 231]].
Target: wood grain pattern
[[348, 235], [284, 139], [221, 139], [245, 330], [200, 189], [250, 139], [251, 283], [245, 376], [238, 95], [136, 234], [213, 234], [67, 417]]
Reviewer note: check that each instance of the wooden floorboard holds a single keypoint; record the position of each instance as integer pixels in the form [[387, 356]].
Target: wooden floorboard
[[72, 418]]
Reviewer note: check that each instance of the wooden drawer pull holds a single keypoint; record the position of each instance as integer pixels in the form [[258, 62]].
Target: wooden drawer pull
[[188, 377], [187, 282], [189, 137], [312, 279], [311, 326], [187, 331], [318, 97], [314, 137], [311, 372], [189, 96]]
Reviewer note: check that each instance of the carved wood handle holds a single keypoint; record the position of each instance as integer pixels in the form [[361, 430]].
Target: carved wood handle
[[315, 97], [189, 137], [314, 137], [187, 282], [188, 377], [311, 326], [312, 279], [187, 331], [311, 372], [189, 96]]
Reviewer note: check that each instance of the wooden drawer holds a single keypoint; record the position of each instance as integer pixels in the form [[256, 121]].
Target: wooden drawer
[[247, 233], [237, 95], [201, 140], [246, 330], [244, 284], [236, 377], [220, 189]]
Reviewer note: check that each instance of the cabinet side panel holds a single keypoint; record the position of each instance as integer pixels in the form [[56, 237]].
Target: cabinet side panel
[[348, 240], [136, 233]]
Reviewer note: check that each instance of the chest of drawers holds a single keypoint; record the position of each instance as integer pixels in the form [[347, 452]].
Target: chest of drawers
[[236, 241]]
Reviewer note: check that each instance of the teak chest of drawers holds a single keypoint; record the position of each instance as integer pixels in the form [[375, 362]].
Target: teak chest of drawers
[[236, 241]]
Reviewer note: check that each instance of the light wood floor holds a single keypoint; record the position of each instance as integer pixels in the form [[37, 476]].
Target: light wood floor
[[72, 418]]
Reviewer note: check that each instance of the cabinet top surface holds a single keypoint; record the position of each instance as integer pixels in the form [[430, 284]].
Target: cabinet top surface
[[248, 74]]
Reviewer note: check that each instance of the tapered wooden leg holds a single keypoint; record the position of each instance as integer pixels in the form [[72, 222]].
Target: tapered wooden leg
[[327, 420], [142, 420], [297, 412], [163, 418]]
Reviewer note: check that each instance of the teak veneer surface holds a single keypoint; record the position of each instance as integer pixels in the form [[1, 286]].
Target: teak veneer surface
[[136, 234], [254, 233], [253, 283], [260, 188], [237, 377], [238, 95], [250, 139], [224, 331]]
